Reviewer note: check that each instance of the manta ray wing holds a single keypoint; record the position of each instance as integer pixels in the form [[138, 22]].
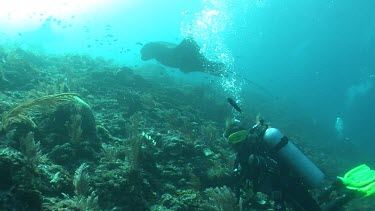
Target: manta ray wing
[[167, 44], [188, 46], [189, 56]]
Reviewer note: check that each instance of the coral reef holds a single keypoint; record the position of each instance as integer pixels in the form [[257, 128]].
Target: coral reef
[[81, 133], [220, 198]]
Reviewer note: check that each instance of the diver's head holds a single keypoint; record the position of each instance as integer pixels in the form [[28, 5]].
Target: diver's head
[[235, 133]]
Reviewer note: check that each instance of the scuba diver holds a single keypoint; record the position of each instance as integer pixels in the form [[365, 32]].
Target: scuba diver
[[260, 166], [270, 170], [272, 173]]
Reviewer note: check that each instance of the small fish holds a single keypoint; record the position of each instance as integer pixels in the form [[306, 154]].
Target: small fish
[[234, 104], [157, 194], [139, 43]]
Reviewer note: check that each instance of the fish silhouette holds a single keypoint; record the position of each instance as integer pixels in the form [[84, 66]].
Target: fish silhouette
[[234, 104]]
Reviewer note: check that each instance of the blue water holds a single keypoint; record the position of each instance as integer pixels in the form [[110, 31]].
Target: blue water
[[319, 55], [315, 56]]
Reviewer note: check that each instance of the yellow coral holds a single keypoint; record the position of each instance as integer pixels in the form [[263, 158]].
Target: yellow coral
[[24, 112]]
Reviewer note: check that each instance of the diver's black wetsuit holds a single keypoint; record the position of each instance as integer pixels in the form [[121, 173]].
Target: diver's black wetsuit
[[270, 176], [345, 195]]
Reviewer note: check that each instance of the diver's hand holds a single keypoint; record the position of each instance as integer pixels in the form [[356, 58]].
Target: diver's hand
[[253, 160]]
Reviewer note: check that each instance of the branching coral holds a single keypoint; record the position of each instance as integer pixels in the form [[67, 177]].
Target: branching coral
[[74, 128], [209, 132], [220, 199], [135, 139], [136, 149], [85, 198], [25, 112], [110, 153], [31, 150], [81, 180]]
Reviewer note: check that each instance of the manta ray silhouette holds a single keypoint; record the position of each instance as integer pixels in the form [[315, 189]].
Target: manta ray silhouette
[[186, 56]]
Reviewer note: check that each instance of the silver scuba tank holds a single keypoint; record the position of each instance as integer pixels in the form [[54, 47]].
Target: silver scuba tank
[[306, 170]]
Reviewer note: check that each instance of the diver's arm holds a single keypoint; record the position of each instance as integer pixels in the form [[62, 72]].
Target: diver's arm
[[323, 195], [340, 201], [262, 162]]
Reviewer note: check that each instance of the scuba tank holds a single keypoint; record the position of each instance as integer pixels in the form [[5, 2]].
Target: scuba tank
[[288, 153]]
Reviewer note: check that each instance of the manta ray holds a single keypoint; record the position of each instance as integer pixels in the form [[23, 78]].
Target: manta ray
[[186, 56]]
